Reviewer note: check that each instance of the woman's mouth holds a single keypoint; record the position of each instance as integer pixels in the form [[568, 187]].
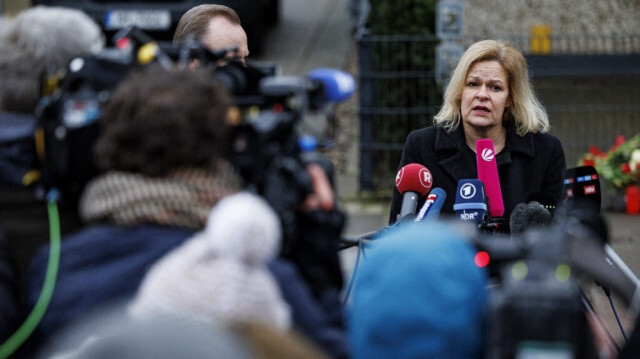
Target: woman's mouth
[[481, 109]]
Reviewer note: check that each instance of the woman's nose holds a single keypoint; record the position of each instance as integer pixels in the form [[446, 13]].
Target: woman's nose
[[482, 92]]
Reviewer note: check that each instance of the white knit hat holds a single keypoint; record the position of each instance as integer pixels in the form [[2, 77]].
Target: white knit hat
[[220, 274]]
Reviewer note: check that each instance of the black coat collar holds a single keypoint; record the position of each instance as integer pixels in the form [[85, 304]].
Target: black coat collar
[[452, 150]]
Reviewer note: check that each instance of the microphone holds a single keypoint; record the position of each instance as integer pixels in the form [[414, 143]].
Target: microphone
[[337, 85], [528, 215], [413, 182], [471, 203], [537, 212], [432, 206], [488, 174], [546, 199], [582, 187], [327, 85]]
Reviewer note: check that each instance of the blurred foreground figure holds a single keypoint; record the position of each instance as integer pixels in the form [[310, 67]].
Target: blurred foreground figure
[[38, 42], [161, 149], [114, 334], [418, 297], [41, 40], [221, 274]]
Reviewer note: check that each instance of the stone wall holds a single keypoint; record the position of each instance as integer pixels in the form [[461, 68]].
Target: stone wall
[[584, 17]]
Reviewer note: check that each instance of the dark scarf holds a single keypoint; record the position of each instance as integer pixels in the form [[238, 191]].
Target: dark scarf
[[181, 199]]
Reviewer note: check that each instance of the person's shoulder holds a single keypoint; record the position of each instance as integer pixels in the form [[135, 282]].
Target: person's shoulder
[[425, 131], [546, 139], [423, 134]]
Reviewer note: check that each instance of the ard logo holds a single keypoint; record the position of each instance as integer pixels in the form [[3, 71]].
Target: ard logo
[[467, 191]]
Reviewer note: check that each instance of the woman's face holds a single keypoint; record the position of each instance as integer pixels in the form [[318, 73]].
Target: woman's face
[[485, 95]]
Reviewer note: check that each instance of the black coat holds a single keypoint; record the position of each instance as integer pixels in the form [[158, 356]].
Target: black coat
[[527, 165]]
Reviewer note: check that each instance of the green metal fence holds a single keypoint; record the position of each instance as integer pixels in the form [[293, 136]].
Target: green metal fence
[[590, 87]]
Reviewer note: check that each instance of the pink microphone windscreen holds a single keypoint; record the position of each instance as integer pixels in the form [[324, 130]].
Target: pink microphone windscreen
[[488, 174]]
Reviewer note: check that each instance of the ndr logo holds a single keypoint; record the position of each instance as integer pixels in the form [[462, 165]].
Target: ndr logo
[[468, 216]]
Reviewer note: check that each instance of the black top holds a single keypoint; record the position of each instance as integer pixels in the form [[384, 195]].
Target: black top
[[528, 165]]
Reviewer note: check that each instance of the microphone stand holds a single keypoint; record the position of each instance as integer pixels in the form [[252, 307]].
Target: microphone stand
[[491, 225]]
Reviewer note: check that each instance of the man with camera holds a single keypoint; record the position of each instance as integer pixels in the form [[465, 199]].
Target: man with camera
[[317, 310], [217, 27]]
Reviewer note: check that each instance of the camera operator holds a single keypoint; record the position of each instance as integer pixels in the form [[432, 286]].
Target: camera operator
[[317, 311], [218, 27], [37, 42]]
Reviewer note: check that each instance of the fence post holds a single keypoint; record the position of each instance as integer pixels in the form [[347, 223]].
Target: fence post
[[365, 62]]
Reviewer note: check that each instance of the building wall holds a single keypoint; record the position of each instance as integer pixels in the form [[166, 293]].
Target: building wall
[[583, 17]]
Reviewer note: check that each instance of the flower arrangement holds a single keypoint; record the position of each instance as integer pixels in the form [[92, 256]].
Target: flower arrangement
[[620, 165]]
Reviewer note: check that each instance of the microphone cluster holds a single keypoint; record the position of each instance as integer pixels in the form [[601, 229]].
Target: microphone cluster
[[571, 241], [480, 200], [477, 200], [414, 182]]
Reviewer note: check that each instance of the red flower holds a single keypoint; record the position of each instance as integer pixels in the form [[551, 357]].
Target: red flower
[[625, 168]]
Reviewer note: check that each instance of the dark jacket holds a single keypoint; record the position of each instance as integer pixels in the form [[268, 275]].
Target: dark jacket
[[11, 314], [104, 265], [99, 266], [17, 147], [23, 213], [527, 165]]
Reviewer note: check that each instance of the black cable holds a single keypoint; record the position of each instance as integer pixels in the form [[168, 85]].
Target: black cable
[[607, 292], [355, 270]]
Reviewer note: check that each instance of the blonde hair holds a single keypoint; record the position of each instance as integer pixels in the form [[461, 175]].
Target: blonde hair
[[525, 111]]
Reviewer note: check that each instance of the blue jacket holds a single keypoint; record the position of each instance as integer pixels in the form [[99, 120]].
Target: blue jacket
[[104, 265], [17, 148]]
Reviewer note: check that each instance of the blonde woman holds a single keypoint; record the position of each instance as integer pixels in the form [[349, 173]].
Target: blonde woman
[[489, 97]]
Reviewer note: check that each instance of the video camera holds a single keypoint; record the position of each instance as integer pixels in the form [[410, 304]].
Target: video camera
[[536, 307], [270, 142]]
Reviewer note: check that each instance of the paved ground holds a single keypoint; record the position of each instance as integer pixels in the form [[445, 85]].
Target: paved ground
[[317, 34]]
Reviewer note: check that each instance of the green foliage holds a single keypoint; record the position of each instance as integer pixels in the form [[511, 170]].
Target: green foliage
[[407, 17], [403, 89], [621, 167]]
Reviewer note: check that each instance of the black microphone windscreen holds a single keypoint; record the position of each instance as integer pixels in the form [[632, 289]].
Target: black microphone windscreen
[[546, 199], [594, 221], [528, 215]]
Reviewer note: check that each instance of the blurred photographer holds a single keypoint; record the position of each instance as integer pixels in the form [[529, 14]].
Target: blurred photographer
[[316, 310], [38, 42]]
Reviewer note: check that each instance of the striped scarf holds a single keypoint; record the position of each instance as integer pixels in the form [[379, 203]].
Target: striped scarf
[[182, 199]]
